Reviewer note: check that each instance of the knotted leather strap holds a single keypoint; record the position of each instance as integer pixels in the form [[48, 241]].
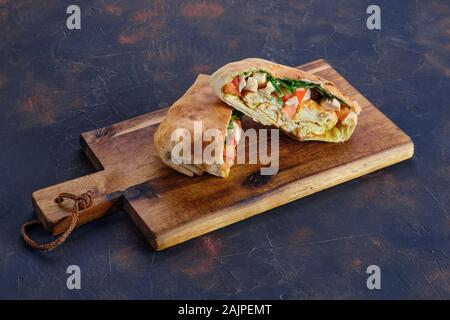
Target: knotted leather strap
[[80, 203]]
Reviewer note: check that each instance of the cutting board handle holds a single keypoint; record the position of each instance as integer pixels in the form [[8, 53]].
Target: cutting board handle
[[105, 199]]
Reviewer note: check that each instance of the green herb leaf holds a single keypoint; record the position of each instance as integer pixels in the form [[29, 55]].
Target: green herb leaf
[[292, 85], [237, 115]]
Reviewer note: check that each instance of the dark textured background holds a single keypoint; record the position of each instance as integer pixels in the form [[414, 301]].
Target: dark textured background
[[132, 57]]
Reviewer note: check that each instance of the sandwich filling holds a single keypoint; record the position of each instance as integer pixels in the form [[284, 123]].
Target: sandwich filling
[[301, 108], [233, 136]]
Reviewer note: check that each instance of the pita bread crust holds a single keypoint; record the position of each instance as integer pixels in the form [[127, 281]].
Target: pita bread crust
[[199, 103], [218, 79]]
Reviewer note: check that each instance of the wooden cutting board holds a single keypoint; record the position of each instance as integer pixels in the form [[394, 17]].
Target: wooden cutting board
[[170, 208]]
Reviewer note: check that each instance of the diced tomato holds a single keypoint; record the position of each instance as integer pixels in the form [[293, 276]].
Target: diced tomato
[[231, 88], [237, 132], [229, 153], [342, 113], [286, 97], [231, 141], [289, 111], [235, 81], [300, 93]]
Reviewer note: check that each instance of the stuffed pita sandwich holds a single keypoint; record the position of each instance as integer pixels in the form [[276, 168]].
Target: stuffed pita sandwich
[[210, 128], [301, 104]]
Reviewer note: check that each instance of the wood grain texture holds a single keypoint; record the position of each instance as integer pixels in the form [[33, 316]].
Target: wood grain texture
[[170, 208]]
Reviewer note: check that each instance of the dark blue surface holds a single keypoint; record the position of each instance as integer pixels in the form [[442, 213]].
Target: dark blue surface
[[132, 57]]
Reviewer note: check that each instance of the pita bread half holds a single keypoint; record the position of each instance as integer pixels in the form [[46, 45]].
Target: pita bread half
[[199, 103], [268, 112]]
